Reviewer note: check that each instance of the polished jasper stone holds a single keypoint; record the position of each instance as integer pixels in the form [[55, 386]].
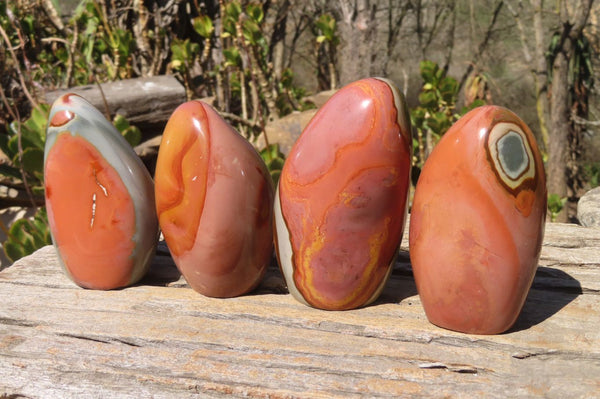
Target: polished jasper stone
[[99, 196], [214, 199], [477, 222], [342, 197]]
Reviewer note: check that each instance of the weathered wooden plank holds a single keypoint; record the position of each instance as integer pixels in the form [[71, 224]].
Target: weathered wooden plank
[[161, 339]]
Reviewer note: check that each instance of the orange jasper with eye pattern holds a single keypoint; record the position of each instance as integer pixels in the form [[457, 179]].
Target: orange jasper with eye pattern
[[477, 222], [342, 197]]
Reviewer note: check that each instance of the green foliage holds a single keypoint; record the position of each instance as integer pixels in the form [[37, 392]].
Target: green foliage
[[592, 173], [327, 39], [326, 26], [243, 80], [436, 111], [102, 42], [555, 205], [274, 159], [233, 58], [183, 54], [290, 96], [132, 134], [24, 146], [203, 26], [25, 236]]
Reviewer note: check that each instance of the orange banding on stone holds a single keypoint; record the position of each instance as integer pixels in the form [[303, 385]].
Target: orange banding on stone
[[94, 222], [182, 181]]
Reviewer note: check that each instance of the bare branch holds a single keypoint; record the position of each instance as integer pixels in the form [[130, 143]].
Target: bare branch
[[17, 67], [522, 35], [483, 44]]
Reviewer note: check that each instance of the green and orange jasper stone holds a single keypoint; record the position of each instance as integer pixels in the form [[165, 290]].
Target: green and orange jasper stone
[[477, 222], [341, 204], [99, 197], [214, 199]]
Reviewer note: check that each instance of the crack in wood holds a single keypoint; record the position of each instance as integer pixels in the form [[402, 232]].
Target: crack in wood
[[17, 322], [109, 340], [13, 396], [526, 355], [455, 368]]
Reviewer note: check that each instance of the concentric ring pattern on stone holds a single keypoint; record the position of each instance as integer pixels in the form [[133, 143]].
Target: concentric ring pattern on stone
[[477, 222]]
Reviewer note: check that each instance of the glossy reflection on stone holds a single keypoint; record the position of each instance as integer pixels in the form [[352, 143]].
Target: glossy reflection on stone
[[342, 197], [477, 222], [99, 196], [214, 199]]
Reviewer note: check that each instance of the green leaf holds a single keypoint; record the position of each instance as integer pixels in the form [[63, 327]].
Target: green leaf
[[120, 122], [274, 159], [124, 44], [255, 11], [25, 236], [477, 103], [276, 164], [449, 89], [91, 27], [4, 144], [13, 251], [287, 78], [233, 10], [33, 130], [203, 25], [17, 230], [33, 160], [38, 191], [275, 176], [133, 135], [251, 31], [232, 57], [428, 70], [13, 146], [327, 25], [428, 99]]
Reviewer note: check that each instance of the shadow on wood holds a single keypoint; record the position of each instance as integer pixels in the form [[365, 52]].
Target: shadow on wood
[[552, 290], [401, 284], [163, 272]]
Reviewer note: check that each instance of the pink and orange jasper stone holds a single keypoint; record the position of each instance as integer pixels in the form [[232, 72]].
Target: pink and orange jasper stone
[[214, 199], [99, 197], [342, 197], [477, 222]]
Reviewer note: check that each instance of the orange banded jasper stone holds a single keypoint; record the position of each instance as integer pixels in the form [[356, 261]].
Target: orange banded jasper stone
[[477, 222], [342, 197], [214, 199], [99, 198]]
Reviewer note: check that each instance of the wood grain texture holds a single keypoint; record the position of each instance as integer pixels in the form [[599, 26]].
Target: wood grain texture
[[161, 339]]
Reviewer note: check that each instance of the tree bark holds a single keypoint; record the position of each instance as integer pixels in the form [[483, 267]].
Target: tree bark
[[277, 45], [559, 126], [358, 31], [540, 72], [571, 28]]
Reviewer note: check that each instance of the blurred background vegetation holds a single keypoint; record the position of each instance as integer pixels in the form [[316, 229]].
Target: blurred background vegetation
[[259, 60]]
